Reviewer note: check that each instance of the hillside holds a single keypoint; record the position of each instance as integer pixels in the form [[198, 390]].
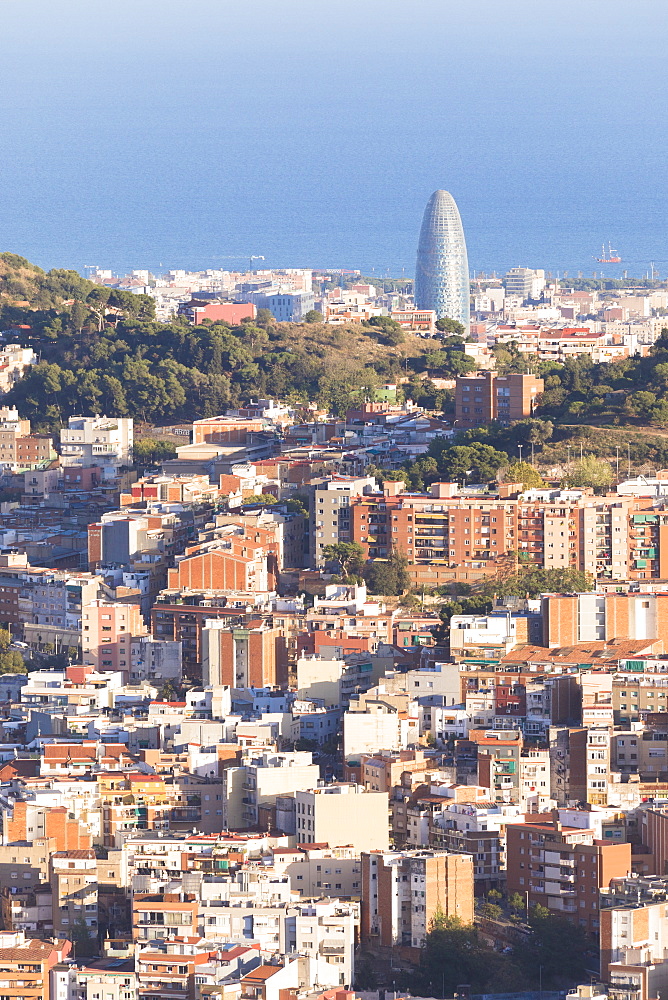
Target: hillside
[[102, 351]]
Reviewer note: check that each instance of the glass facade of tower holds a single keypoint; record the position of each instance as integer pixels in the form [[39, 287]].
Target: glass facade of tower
[[442, 271]]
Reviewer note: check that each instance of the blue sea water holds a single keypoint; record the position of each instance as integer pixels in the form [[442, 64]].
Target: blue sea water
[[138, 133]]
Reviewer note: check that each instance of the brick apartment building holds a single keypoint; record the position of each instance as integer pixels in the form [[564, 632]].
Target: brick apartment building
[[108, 629], [572, 618], [181, 614], [236, 557], [27, 822], [448, 535], [252, 656], [563, 868], [26, 964], [486, 396], [403, 891]]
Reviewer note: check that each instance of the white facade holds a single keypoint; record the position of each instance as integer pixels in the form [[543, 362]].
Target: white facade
[[14, 360], [97, 440], [261, 778], [368, 732], [154, 660]]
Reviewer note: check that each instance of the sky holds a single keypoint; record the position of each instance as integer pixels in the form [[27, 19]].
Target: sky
[[138, 133]]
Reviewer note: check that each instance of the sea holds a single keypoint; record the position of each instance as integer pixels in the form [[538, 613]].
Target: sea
[[146, 134]]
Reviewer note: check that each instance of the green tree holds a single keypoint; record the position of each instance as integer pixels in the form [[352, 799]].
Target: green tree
[[532, 431], [151, 451], [297, 505], [538, 581], [454, 954], [390, 578], [640, 403], [473, 463], [525, 473], [392, 331], [590, 471], [557, 946], [313, 316], [452, 326], [517, 902], [167, 692], [78, 315], [84, 944], [12, 662], [267, 499], [509, 358], [349, 556], [264, 317]]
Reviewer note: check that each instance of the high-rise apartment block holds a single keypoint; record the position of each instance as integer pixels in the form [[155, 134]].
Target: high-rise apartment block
[[450, 534], [97, 440], [487, 396], [402, 892], [330, 511], [524, 283], [563, 868]]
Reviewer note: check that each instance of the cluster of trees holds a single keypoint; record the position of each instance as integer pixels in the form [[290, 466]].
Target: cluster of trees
[[11, 661], [626, 390], [103, 351], [553, 956], [389, 577], [152, 451], [519, 582]]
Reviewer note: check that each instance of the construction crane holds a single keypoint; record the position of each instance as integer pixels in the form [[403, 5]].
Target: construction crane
[[252, 258]]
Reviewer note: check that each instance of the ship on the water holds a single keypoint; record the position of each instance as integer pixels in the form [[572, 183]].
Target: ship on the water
[[609, 257]]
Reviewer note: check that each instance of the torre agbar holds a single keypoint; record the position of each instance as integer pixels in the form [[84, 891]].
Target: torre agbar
[[442, 270]]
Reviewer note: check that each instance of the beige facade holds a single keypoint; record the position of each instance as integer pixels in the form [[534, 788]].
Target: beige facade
[[74, 895], [260, 779], [343, 815], [403, 891], [330, 513], [107, 632]]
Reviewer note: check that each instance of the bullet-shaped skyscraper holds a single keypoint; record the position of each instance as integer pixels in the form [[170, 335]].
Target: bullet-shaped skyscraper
[[442, 270]]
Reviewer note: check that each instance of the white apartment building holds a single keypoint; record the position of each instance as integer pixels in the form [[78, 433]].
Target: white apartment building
[[88, 441], [381, 726], [324, 931], [260, 779], [14, 360], [155, 660], [343, 815]]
